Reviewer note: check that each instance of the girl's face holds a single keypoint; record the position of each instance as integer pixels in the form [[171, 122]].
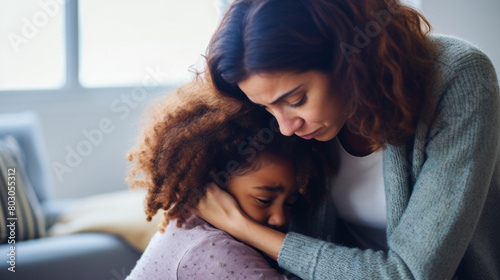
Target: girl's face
[[267, 194], [304, 104]]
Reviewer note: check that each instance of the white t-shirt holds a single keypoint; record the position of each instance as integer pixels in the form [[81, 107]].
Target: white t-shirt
[[358, 194]]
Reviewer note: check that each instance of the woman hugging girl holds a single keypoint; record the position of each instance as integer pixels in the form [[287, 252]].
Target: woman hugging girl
[[195, 138]]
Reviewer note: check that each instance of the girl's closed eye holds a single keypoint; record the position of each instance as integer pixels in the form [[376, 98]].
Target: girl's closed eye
[[263, 201]]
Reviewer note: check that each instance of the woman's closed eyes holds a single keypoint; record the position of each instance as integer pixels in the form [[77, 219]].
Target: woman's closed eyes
[[300, 102]]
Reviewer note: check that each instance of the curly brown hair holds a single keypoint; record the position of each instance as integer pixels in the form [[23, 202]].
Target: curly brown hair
[[377, 53], [193, 136]]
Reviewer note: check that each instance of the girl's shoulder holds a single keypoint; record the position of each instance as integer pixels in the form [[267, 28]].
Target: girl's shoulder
[[196, 250], [165, 251], [220, 256], [200, 251], [178, 240]]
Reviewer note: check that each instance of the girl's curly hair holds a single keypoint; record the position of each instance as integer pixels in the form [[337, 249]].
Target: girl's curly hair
[[196, 136]]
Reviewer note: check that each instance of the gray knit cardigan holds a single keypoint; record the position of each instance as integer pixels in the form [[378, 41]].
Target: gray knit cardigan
[[442, 189]]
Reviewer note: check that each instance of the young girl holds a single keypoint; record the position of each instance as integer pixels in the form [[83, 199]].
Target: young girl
[[195, 138]]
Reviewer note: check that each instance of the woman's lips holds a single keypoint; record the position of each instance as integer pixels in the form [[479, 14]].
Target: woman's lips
[[310, 135]]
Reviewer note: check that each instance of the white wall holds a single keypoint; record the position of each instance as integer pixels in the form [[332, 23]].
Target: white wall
[[65, 119], [476, 21]]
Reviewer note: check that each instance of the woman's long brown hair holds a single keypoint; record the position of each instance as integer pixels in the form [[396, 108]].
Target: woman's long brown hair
[[377, 52]]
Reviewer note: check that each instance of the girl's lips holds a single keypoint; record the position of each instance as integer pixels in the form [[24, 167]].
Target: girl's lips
[[310, 135]]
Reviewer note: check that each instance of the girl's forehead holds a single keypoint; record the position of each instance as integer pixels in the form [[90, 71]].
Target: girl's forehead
[[274, 173]]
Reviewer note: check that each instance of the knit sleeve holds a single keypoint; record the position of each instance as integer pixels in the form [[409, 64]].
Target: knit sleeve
[[436, 224], [222, 257]]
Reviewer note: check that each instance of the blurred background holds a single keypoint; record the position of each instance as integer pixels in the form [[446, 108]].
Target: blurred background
[[87, 70], [79, 64]]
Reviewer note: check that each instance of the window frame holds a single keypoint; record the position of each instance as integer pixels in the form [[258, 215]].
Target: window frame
[[72, 88]]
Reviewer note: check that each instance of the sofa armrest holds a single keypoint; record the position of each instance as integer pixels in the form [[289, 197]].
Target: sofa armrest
[[78, 257]]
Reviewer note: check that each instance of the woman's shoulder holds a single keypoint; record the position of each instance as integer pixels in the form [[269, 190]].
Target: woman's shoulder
[[451, 48], [464, 68], [454, 55]]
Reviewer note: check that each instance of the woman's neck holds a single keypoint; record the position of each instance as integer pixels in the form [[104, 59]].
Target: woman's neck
[[354, 144]]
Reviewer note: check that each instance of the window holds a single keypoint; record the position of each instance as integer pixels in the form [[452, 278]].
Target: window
[[68, 44], [120, 39], [32, 52]]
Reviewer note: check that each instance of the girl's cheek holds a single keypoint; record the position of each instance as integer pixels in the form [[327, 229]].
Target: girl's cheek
[[251, 211], [259, 216]]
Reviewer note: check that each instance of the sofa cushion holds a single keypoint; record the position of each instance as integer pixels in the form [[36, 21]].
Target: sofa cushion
[[21, 217], [83, 256], [120, 213], [27, 129]]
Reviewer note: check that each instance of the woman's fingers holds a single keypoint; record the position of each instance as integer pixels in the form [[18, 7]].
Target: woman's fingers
[[216, 206]]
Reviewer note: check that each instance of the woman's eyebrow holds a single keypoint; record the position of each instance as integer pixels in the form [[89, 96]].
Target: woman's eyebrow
[[285, 95], [275, 189]]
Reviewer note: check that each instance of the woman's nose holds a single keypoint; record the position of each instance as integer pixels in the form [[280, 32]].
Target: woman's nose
[[288, 124]]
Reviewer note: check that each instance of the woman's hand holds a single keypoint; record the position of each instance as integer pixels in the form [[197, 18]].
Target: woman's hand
[[222, 211]]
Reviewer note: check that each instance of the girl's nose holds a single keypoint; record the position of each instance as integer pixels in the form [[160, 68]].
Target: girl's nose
[[278, 219]]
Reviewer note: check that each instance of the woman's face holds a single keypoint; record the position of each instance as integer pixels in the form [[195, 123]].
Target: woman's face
[[266, 194], [304, 104]]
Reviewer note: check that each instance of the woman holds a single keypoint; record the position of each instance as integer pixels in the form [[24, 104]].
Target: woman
[[415, 118], [195, 137]]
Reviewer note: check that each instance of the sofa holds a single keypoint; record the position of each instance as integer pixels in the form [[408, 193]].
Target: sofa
[[72, 256]]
